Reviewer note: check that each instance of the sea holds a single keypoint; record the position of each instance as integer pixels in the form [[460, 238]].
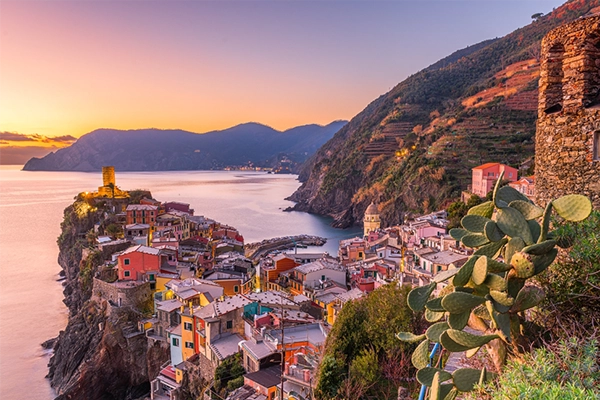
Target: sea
[[31, 210]]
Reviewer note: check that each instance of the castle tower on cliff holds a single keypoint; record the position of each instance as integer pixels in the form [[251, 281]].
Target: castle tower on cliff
[[371, 220], [109, 187], [108, 176], [567, 149]]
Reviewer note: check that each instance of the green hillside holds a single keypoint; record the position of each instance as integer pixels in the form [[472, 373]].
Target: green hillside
[[477, 105]]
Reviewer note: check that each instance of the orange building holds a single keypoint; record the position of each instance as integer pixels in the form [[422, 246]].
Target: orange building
[[272, 267], [486, 175], [232, 282]]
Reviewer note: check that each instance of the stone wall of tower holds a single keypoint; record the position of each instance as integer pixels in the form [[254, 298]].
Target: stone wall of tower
[[108, 176], [567, 151]]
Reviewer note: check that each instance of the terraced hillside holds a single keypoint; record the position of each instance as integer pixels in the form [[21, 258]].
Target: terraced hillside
[[412, 149]]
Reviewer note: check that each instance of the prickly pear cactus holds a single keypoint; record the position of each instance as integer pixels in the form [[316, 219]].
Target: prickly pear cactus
[[512, 243]]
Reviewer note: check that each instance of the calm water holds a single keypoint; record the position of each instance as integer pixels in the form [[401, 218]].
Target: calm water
[[31, 207]]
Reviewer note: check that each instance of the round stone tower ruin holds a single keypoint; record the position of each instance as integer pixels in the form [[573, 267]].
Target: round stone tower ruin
[[567, 149]]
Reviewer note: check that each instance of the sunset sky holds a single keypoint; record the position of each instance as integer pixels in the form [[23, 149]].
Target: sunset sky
[[69, 67]]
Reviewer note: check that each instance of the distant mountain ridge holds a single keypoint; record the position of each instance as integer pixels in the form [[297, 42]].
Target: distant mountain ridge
[[412, 149], [158, 149]]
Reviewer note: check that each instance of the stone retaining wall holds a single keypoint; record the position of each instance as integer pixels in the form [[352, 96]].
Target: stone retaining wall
[[118, 294]]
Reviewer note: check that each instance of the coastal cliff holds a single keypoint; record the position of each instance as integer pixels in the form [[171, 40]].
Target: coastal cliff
[[100, 354], [412, 149]]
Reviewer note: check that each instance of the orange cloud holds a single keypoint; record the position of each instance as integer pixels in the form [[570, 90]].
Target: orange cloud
[[61, 141]]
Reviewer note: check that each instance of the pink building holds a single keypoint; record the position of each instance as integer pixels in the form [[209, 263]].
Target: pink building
[[486, 175], [525, 185]]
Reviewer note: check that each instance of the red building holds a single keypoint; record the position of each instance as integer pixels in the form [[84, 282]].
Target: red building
[[486, 175], [140, 263]]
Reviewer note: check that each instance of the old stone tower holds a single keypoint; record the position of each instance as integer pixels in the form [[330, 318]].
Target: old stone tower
[[567, 150], [371, 220]]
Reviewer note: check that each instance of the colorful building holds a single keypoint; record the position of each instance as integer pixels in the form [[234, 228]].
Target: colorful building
[[525, 185], [371, 221], [140, 263], [486, 175]]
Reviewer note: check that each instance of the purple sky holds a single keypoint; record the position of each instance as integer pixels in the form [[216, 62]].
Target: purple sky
[[68, 67]]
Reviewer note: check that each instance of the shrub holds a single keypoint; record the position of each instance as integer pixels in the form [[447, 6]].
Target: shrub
[[565, 371]]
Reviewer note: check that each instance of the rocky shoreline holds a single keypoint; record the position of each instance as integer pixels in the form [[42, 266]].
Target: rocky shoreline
[[256, 250]]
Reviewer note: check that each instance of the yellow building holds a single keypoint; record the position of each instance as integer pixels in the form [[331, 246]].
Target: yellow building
[[187, 333], [371, 221]]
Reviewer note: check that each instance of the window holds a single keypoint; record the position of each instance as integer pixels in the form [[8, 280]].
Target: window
[[126, 273], [126, 261], [596, 145], [187, 326], [189, 345], [175, 342], [236, 288], [151, 277], [322, 277], [553, 97], [229, 324]]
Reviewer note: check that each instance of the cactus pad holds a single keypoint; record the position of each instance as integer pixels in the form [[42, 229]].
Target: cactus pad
[[450, 344], [425, 375], [480, 271], [433, 316], [464, 273], [545, 223], [460, 302], [474, 240], [435, 305], [509, 194], [420, 357], [502, 298], [484, 209], [458, 321], [528, 297], [573, 207], [465, 379], [491, 250], [492, 232], [458, 233], [535, 229], [409, 337], [512, 222], [540, 248], [542, 262], [469, 340], [474, 223], [417, 297], [434, 331], [495, 282], [529, 211]]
